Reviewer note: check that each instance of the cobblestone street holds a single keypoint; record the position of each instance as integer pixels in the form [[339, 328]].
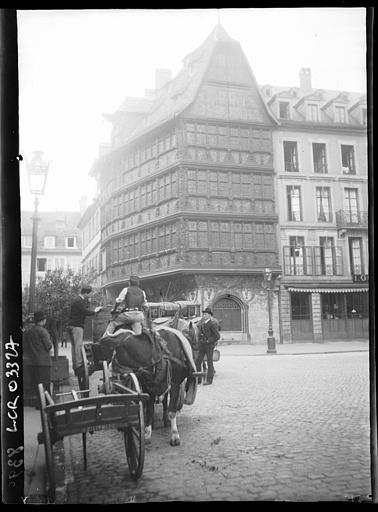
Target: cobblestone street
[[270, 428]]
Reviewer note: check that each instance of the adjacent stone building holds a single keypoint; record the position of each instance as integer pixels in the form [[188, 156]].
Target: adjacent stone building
[[58, 243], [320, 161], [90, 230]]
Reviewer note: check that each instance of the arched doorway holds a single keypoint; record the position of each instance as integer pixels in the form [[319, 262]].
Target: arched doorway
[[228, 311]]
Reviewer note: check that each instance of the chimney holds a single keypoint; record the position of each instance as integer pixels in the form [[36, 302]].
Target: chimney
[[83, 204], [162, 76], [305, 79]]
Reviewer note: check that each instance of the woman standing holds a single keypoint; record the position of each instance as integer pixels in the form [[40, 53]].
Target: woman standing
[[36, 349]]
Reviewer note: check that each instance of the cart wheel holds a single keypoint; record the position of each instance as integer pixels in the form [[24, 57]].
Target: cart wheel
[[106, 377], [85, 380], [134, 435], [181, 397], [48, 445]]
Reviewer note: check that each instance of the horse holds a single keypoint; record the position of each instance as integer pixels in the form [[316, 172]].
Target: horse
[[188, 392], [162, 359]]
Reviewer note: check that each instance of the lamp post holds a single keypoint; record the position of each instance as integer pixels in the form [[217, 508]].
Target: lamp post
[[268, 285], [37, 175]]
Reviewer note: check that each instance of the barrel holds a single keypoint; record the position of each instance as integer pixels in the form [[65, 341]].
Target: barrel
[[100, 322]]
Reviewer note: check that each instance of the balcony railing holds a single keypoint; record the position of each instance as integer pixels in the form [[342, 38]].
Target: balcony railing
[[351, 219], [312, 260]]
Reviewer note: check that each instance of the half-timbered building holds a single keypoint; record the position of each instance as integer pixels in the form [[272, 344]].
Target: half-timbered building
[[187, 193]]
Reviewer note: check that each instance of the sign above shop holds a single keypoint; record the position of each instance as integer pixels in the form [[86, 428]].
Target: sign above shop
[[361, 278]]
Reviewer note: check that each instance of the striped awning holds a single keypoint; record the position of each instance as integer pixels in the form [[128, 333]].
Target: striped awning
[[327, 290]]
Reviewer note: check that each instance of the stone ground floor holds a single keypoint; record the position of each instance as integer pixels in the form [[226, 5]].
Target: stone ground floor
[[245, 305], [319, 314], [239, 302]]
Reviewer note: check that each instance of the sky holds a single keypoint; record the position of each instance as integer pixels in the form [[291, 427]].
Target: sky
[[76, 65]]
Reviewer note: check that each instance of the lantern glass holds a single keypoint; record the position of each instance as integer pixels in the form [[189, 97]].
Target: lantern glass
[[37, 173], [37, 183]]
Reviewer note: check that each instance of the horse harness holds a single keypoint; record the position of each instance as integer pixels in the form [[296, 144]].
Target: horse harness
[[156, 376]]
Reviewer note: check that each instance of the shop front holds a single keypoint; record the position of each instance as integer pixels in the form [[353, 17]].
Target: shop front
[[345, 315], [321, 314]]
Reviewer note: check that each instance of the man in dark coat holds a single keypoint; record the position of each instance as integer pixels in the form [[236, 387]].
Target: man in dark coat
[[79, 311], [208, 338], [37, 358]]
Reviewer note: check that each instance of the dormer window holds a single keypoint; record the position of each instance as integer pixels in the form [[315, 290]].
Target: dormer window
[[312, 112], [284, 110], [340, 114]]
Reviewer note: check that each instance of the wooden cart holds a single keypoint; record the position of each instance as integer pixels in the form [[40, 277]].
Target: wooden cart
[[122, 411]]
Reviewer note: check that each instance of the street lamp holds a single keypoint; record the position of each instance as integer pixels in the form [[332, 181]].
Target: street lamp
[[269, 285], [37, 175]]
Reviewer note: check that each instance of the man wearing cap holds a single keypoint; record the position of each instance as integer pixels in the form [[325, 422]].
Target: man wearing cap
[[79, 311], [36, 351], [208, 338]]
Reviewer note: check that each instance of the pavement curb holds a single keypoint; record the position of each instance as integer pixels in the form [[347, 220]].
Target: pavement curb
[[296, 353]]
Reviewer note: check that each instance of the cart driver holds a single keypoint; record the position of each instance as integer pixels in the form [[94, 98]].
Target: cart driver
[[130, 304]]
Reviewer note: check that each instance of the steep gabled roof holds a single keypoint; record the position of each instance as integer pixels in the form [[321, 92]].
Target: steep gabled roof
[[177, 94], [130, 105], [134, 104], [180, 92]]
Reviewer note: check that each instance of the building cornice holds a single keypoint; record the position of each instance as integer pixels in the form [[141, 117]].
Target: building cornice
[[228, 122], [195, 270], [322, 177], [308, 126], [61, 251], [192, 214]]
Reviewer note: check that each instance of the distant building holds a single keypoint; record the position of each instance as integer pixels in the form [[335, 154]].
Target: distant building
[[211, 178], [59, 243], [90, 232]]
